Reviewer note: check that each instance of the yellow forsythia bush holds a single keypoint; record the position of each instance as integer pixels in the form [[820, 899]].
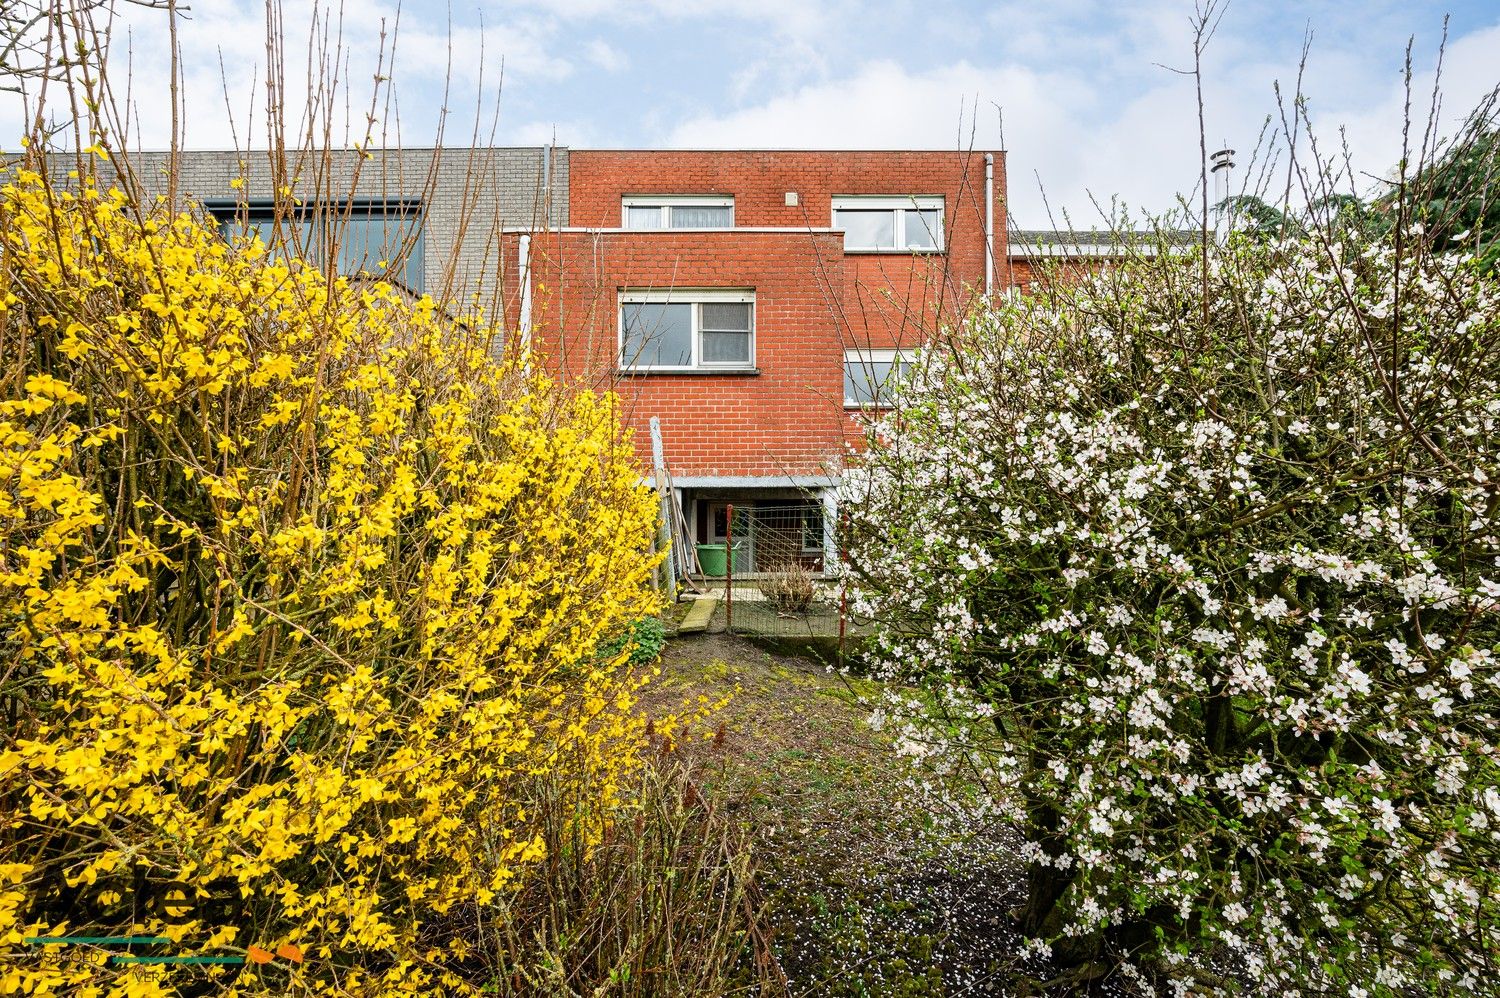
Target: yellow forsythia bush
[[299, 592]]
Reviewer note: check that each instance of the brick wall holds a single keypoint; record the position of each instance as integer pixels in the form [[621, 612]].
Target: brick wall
[[889, 299], [1021, 272], [1025, 271], [786, 419]]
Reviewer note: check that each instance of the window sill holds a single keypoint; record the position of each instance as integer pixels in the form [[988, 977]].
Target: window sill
[[691, 372], [892, 252]]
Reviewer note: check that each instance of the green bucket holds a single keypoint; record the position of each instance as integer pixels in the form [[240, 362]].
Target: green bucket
[[711, 557]]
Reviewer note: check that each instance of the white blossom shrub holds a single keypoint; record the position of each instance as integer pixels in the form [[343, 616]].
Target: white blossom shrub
[[1205, 590]]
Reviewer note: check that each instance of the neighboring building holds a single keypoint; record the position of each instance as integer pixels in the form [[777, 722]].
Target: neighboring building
[[1034, 254], [428, 219], [755, 302]]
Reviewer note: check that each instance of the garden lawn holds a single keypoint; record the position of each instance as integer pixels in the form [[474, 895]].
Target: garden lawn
[[868, 894]]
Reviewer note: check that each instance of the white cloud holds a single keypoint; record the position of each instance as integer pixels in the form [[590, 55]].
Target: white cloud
[[606, 56], [1373, 127], [882, 106], [223, 45], [1087, 134], [574, 134], [803, 19]]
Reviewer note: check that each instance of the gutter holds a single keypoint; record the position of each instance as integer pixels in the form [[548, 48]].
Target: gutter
[[800, 230]]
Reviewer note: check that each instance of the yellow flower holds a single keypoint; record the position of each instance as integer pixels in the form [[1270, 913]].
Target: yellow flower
[[314, 587]]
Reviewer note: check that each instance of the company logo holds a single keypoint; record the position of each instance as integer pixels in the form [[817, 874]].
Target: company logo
[[118, 951], [137, 899]]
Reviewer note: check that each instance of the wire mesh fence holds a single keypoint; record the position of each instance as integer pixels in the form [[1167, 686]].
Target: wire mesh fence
[[766, 565], [821, 619], [767, 536]]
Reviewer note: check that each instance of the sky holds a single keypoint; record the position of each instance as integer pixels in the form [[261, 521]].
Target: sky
[[1080, 93]]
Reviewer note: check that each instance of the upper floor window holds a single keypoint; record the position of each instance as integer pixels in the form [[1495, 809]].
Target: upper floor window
[[377, 239], [871, 375], [684, 330], [677, 211], [890, 224]]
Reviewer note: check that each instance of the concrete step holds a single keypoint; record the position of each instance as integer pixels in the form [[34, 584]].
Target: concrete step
[[702, 611]]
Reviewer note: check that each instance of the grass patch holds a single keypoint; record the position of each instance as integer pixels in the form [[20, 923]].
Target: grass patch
[[867, 895]]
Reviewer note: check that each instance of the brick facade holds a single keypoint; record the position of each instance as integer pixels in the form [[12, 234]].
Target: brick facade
[[782, 418], [774, 431], [889, 299], [785, 421]]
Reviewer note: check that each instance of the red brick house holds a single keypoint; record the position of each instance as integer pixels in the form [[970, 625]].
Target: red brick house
[[754, 302]]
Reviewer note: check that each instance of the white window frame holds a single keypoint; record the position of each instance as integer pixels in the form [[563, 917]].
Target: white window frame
[[666, 202], [684, 296], [899, 204], [816, 547], [907, 356]]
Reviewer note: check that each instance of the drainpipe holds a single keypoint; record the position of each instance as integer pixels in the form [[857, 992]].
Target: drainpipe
[[989, 224], [525, 323]]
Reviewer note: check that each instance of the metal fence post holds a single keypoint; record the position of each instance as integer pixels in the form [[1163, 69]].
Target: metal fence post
[[729, 568], [843, 585]]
